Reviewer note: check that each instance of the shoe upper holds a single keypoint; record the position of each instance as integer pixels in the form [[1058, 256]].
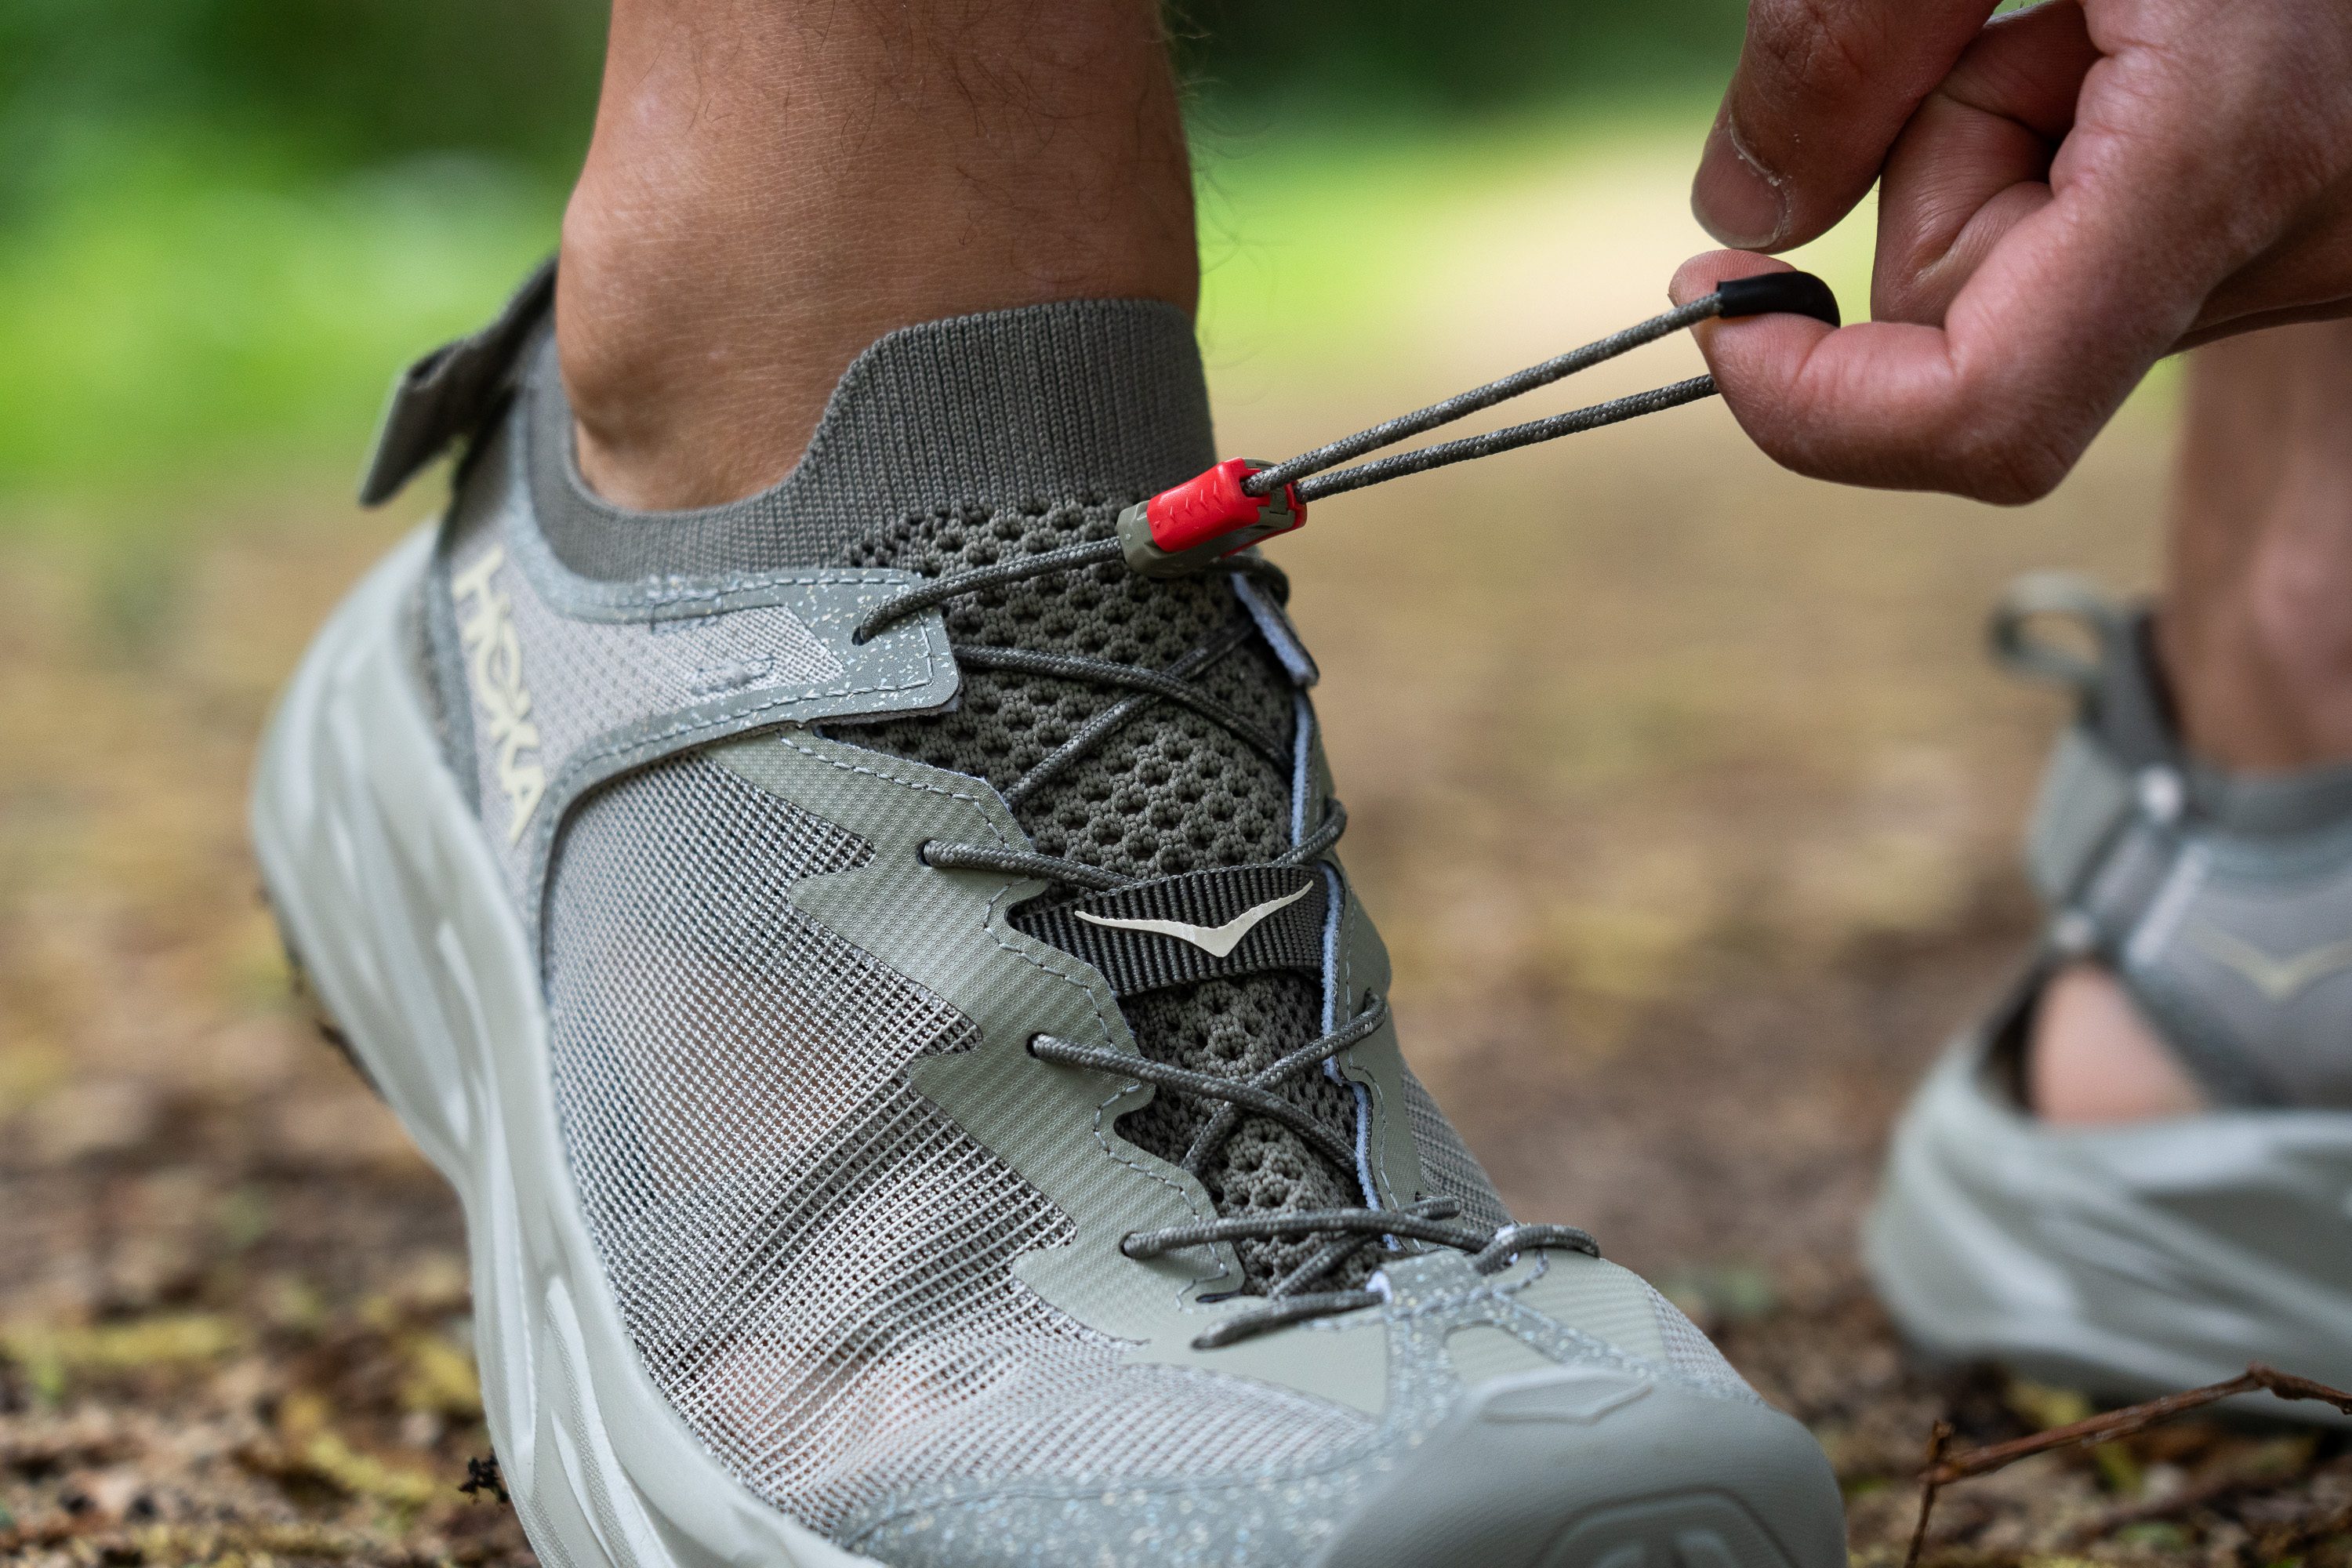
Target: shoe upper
[[2223, 902], [870, 1244]]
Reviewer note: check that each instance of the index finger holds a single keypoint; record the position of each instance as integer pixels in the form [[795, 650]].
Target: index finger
[[1822, 90], [1996, 404], [2041, 345]]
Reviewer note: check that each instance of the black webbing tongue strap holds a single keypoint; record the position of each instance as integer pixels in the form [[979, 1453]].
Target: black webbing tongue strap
[[454, 392], [1202, 925]]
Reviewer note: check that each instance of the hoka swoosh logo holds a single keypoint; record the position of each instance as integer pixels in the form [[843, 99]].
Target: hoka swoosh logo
[[2276, 978], [1217, 942]]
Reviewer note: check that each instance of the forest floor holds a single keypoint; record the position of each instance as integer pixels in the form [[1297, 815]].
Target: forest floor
[[1679, 786]]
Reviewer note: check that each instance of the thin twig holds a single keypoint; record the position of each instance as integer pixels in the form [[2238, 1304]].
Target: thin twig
[[1939, 1472], [2111, 1425], [1938, 1435]]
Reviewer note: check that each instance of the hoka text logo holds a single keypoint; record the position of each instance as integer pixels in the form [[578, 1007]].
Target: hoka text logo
[[494, 657]]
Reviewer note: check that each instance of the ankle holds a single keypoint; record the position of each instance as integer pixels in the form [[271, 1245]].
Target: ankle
[[683, 392], [738, 238], [2091, 1058], [2256, 631], [630, 426], [2261, 674]]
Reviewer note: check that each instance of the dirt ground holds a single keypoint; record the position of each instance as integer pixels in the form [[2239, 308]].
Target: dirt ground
[[1678, 784]]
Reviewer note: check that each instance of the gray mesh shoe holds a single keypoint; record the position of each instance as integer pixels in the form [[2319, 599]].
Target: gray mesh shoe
[[2143, 1259], [878, 973]]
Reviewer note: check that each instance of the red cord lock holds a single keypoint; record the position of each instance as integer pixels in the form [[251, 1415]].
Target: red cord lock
[[1204, 519]]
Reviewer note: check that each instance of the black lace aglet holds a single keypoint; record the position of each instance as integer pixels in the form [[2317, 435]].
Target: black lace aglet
[[1770, 293]]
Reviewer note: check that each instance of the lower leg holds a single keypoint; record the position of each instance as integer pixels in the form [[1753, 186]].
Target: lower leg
[[2254, 635], [774, 184], [2255, 629]]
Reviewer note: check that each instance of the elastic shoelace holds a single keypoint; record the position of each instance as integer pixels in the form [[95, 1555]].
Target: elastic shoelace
[[1244, 491], [1239, 502]]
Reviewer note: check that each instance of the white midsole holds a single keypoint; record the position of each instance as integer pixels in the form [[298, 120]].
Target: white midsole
[[387, 891], [2091, 1257]]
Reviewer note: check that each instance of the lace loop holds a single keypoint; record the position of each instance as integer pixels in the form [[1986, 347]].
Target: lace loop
[[1461, 405], [1510, 1240], [1798, 293], [950, 857], [1250, 1096], [923, 595], [1424, 1221]]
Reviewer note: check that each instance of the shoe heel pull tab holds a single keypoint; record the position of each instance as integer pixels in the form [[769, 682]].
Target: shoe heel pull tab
[[1206, 519], [453, 392], [2065, 596]]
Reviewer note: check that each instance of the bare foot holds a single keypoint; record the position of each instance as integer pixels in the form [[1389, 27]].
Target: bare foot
[[2094, 1059]]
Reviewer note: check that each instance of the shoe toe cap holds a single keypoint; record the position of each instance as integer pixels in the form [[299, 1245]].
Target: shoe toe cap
[[1600, 1469]]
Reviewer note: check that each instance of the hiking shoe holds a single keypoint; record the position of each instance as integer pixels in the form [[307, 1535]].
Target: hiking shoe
[[922, 1090], [2153, 1257]]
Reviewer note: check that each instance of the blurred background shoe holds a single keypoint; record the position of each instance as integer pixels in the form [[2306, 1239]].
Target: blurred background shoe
[[2138, 1257]]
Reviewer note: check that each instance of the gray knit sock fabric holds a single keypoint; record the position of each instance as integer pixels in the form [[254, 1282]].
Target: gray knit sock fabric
[[958, 444], [1040, 405]]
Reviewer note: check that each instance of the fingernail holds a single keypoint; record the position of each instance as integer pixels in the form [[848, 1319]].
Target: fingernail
[[1734, 198]]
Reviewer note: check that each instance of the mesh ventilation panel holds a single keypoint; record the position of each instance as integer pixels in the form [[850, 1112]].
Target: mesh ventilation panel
[[1235, 1028], [587, 678], [813, 1260], [1691, 1353], [1170, 792], [1447, 1166]]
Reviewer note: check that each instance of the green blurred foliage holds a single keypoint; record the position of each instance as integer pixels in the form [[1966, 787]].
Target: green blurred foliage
[[348, 83], [333, 84], [1406, 59], [225, 222], [201, 305]]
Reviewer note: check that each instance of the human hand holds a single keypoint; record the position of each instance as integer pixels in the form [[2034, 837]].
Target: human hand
[[2068, 195]]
